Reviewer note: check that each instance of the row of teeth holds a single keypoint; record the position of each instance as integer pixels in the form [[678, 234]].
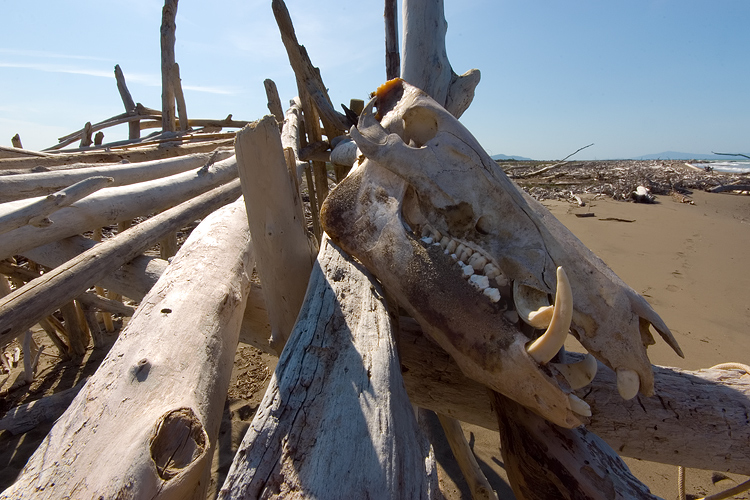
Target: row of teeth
[[475, 267]]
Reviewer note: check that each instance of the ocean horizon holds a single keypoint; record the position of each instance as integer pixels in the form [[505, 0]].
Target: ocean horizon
[[727, 166]]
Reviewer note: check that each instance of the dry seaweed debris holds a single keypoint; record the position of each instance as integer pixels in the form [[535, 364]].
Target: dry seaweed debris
[[617, 179]]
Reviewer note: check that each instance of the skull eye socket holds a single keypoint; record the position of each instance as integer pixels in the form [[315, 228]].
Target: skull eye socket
[[420, 125]]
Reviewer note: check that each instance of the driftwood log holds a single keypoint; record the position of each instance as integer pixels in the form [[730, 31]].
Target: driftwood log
[[284, 252], [113, 205], [40, 297], [146, 423], [335, 421], [21, 186]]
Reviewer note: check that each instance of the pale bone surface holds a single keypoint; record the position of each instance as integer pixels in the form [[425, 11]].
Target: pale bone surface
[[451, 237]]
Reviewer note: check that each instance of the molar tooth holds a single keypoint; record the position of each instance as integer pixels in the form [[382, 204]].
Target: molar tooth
[[479, 281], [578, 374], [453, 255], [460, 249], [436, 235], [502, 281], [444, 241], [491, 271], [452, 246], [478, 261], [579, 406], [467, 271], [426, 231], [492, 293], [545, 347], [628, 383]]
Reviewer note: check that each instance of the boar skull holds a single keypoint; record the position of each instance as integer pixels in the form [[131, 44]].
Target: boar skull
[[467, 253]]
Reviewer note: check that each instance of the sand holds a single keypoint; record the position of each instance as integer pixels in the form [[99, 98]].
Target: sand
[[689, 261]]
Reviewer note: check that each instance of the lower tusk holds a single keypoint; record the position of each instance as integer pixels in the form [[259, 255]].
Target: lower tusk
[[579, 406], [532, 305], [545, 347], [578, 374], [628, 383]]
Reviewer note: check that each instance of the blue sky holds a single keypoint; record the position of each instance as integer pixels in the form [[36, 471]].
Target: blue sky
[[633, 78]]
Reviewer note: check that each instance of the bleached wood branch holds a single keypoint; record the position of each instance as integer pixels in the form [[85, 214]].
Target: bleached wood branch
[[168, 27], [40, 297], [158, 397], [274, 102], [37, 213], [27, 185], [112, 205], [335, 421], [392, 57]]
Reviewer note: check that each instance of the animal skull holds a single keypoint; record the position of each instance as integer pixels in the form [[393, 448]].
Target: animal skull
[[467, 253]]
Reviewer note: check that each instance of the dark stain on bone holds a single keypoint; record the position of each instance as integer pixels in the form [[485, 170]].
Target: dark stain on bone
[[458, 218]]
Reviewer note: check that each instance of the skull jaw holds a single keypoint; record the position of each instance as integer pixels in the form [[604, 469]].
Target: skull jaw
[[363, 216]]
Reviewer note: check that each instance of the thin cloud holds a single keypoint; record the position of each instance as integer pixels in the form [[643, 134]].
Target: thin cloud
[[210, 90], [52, 55], [57, 68]]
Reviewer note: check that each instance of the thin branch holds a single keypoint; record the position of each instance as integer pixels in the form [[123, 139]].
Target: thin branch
[[732, 154], [550, 167]]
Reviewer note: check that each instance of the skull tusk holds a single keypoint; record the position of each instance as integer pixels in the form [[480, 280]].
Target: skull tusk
[[532, 305], [628, 383], [545, 347], [578, 374]]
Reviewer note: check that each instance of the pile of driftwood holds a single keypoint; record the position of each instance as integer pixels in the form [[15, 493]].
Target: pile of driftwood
[[337, 419]]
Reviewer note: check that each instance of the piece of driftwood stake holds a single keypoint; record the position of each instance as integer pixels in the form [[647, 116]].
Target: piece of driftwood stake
[[168, 27], [134, 128], [284, 251], [146, 423], [545, 461], [274, 102], [86, 136], [40, 297], [424, 59], [392, 57], [37, 212], [179, 97], [334, 123], [16, 141], [115, 205], [335, 421]]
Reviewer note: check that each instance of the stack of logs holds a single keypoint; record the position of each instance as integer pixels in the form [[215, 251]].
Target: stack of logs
[[337, 419]]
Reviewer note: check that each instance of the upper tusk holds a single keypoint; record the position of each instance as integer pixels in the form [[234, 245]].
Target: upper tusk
[[545, 347]]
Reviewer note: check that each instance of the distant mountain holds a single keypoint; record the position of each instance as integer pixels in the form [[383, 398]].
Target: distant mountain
[[504, 157], [674, 155]]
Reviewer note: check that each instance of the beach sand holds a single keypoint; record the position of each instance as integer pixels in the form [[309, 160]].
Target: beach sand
[[689, 261]]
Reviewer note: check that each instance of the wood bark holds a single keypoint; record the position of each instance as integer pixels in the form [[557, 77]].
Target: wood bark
[[168, 27], [334, 123], [545, 461], [40, 297], [112, 205], [37, 213], [21, 186], [285, 252], [146, 423], [335, 421], [424, 59]]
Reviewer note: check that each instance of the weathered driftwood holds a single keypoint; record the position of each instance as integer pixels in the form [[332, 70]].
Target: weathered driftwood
[[102, 155], [28, 416], [134, 129], [545, 461], [179, 96], [334, 123], [284, 251], [290, 133], [86, 136], [6, 152], [40, 297], [158, 397], [112, 205], [476, 480], [392, 58], [424, 60], [27, 185], [274, 101], [133, 280], [335, 421], [168, 27], [37, 213]]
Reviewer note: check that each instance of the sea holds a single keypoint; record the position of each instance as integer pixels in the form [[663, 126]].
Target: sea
[[729, 166]]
